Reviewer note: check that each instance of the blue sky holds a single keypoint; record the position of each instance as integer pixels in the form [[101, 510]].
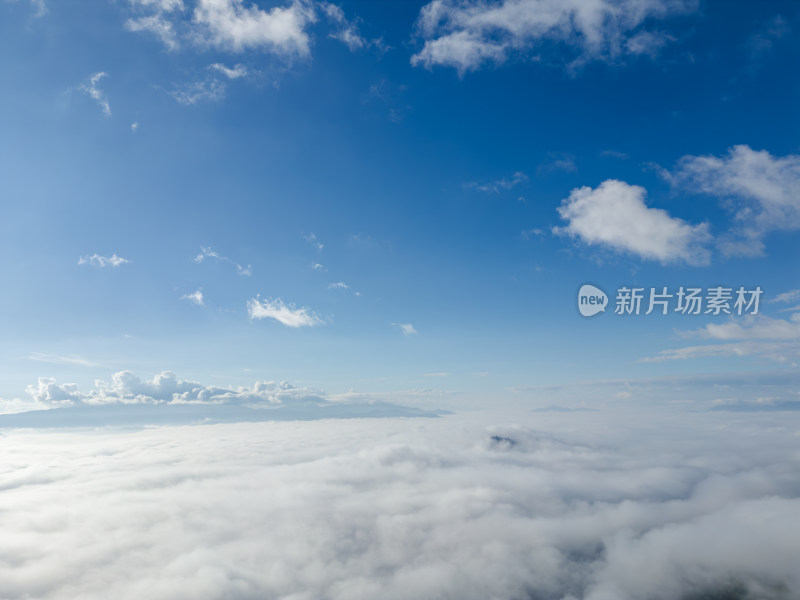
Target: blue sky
[[399, 199]]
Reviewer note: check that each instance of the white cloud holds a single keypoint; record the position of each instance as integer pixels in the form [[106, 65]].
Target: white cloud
[[406, 328], [234, 72], [95, 93], [495, 187], [127, 388], [195, 297], [752, 327], [160, 5], [311, 238], [202, 90], [614, 215], [287, 315], [39, 6], [62, 360], [102, 261], [468, 34], [241, 25], [237, 26], [558, 161], [207, 252], [346, 31], [780, 352], [341, 285], [134, 127], [591, 505], [765, 39], [789, 296], [762, 191], [755, 335], [317, 266], [158, 25]]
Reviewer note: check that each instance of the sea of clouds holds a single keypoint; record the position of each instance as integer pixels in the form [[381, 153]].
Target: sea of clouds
[[606, 505]]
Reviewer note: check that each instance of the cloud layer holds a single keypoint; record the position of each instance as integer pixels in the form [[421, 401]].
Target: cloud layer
[[633, 506]]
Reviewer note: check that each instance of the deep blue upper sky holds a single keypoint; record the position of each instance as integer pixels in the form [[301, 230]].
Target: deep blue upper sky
[[395, 196]]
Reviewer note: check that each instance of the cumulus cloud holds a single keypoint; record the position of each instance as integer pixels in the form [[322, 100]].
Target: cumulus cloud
[[96, 260], [762, 192], [95, 93], [468, 34], [230, 25], [236, 26], [585, 506], [287, 315], [127, 388], [338, 285], [614, 215]]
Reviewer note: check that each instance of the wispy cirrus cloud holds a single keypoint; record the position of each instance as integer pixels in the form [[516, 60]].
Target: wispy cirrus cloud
[[498, 185], [790, 296], [58, 359], [751, 327], [157, 25], [235, 72], [346, 31], [96, 260], [199, 91], [277, 310], [92, 89], [777, 351], [311, 238], [206, 252]]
